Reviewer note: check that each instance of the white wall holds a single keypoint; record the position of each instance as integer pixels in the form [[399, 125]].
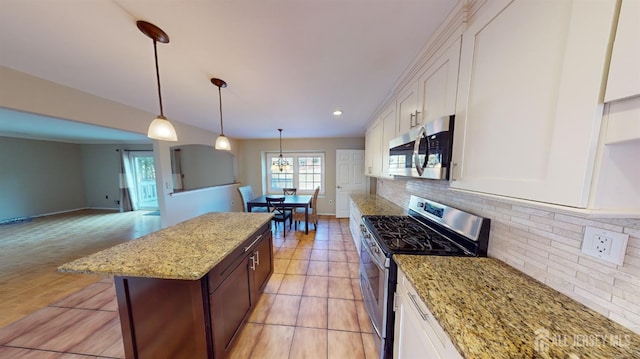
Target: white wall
[[101, 171], [39, 177], [204, 166]]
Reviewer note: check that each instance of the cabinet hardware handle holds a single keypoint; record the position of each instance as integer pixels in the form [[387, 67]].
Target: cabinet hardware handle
[[257, 258], [253, 263], [422, 314], [411, 117], [416, 117], [252, 243]]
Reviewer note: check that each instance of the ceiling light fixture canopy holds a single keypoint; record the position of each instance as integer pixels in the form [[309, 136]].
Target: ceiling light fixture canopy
[[280, 164], [222, 142], [160, 128]]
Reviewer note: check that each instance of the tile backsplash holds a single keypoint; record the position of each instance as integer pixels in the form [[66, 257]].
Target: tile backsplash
[[546, 245]]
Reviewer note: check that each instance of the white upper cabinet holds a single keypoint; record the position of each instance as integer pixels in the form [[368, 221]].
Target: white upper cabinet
[[624, 70], [407, 107], [433, 93], [388, 119], [438, 85], [372, 153], [529, 104]]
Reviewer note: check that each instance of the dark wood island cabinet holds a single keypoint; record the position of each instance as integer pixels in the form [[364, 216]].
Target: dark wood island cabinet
[[165, 316]]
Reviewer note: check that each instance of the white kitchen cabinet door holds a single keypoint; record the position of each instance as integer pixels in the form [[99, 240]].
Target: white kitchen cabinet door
[[388, 119], [529, 103], [354, 223], [372, 146], [407, 108], [624, 70], [417, 334], [438, 85]]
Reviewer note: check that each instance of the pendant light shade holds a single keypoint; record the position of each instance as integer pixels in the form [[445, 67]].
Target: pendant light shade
[[160, 128], [280, 164], [222, 142]]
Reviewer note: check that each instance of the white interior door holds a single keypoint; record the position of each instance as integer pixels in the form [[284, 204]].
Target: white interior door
[[349, 178]]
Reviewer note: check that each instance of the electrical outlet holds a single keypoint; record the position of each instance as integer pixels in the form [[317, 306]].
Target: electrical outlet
[[606, 245], [602, 245]]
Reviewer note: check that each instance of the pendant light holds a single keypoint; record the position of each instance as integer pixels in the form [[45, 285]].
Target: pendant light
[[280, 164], [160, 128], [222, 142]]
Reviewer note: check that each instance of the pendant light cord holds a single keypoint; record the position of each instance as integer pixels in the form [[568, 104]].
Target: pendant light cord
[[220, 100], [155, 53], [280, 142]]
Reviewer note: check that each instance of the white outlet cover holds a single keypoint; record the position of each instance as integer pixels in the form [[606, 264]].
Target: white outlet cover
[[604, 244]]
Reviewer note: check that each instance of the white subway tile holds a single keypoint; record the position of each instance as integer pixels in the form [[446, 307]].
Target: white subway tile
[[587, 222], [596, 278], [529, 210], [568, 234], [626, 286], [531, 224], [575, 228], [561, 272], [563, 248], [557, 268], [597, 264], [561, 285], [626, 320], [557, 255], [592, 301]]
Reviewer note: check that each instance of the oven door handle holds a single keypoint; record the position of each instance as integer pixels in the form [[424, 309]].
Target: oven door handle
[[416, 150], [374, 259]]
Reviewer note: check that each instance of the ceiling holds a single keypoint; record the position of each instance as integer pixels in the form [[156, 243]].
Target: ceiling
[[288, 63]]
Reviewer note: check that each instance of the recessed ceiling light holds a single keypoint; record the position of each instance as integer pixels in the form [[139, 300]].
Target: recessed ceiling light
[[337, 113]]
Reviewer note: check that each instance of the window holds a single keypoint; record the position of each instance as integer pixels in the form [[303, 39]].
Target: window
[[305, 172]]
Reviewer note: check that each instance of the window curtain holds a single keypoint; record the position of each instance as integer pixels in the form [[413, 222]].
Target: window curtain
[[126, 202]]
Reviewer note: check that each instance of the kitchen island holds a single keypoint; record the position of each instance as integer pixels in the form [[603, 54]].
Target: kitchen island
[[491, 310], [185, 291]]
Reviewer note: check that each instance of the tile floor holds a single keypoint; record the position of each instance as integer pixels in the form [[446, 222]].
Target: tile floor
[[312, 308]]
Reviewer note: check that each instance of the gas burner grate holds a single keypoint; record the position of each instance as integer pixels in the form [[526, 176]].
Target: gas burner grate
[[403, 234]]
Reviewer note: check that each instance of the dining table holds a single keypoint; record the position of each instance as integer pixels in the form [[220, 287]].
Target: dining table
[[290, 201]]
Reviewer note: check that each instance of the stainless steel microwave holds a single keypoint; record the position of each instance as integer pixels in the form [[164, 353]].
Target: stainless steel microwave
[[423, 152]]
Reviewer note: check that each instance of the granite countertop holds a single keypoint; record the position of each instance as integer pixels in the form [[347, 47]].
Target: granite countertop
[[187, 250], [370, 204], [491, 310]]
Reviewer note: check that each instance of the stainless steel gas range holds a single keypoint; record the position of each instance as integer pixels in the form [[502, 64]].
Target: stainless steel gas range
[[430, 228]]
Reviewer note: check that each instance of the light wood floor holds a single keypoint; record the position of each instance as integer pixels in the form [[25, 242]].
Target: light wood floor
[[31, 251]]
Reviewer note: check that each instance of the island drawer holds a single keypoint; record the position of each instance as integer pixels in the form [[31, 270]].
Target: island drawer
[[220, 272]]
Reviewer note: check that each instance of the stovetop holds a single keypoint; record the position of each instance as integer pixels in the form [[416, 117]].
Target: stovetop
[[406, 235]]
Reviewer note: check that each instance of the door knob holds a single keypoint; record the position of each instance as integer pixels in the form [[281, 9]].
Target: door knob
[[338, 187]]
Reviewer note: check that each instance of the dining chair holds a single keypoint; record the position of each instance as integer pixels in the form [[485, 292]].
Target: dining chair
[[280, 213], [289, 191], [246, 192], [298, 215]]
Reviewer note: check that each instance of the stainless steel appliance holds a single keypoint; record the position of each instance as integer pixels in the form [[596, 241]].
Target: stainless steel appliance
[[430, 228], [423, 152]]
